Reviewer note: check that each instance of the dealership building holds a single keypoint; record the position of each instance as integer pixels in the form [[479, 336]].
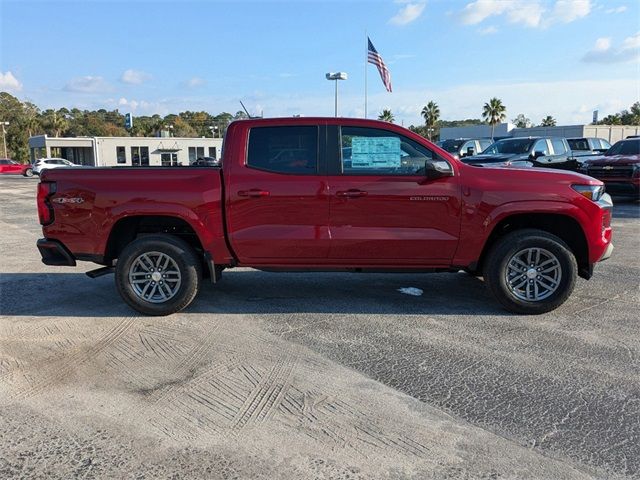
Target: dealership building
[[611, 133], [125, 151]]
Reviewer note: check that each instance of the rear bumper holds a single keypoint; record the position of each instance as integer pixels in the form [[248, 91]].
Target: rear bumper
[[55, 253]]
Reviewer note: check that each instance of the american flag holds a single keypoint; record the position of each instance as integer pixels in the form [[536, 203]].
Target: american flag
[[375, 58]]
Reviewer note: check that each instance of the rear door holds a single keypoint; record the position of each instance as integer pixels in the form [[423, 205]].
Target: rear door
[[278, 204], [383, 210]]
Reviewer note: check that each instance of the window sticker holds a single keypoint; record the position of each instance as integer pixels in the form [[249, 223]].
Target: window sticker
[[375, 152]]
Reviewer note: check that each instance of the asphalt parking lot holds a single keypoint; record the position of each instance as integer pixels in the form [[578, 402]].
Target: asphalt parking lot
[[314, 375]]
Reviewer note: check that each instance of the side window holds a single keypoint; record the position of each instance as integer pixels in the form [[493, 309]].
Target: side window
[[121, 155], [484, 144], [292, 150], [467, 145], [541, 146], [558, 146], [370, 151]]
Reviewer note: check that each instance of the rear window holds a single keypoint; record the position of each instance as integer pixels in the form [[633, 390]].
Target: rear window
[[578, 144], [291, 150]]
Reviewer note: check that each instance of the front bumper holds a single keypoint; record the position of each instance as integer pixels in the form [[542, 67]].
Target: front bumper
[[55, 253], [607, 253]]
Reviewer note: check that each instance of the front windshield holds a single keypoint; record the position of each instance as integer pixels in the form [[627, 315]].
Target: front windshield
[[624, 147], [452, 146], [511, 146]]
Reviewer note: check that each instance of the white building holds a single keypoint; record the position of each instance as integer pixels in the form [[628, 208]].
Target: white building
[[125, 151]]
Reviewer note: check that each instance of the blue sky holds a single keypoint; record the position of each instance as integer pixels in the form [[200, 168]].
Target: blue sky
[[541, 57]]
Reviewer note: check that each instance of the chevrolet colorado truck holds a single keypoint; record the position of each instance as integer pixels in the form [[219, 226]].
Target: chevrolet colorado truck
[[326, 194]]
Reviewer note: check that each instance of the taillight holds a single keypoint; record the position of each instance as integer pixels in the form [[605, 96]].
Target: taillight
[[45, 209]]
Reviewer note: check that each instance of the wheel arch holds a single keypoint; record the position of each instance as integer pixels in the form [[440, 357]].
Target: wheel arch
[[127, 229], [563, 226]]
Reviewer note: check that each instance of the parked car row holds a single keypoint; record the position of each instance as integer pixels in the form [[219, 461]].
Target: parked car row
[[618, 166]]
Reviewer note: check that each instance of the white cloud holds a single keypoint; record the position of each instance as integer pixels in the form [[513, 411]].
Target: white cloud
[[620, 9], [567, 11], [87, 84], [475, 12], [488, 30], [9, 83], [529, 13], [141, 107], [603, 51], [134, 77], [408, 13], [195, 82], [526, 13]]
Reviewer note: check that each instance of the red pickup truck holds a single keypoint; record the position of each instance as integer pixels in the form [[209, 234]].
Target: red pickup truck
[[326, 194]]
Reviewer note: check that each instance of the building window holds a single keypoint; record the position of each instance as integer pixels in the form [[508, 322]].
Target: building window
[[121, 154], [192, 154], [212, 152], [169, 159], [200, 152], [140, 156]]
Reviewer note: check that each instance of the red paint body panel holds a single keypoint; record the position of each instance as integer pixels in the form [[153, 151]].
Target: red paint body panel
[[279, 220]]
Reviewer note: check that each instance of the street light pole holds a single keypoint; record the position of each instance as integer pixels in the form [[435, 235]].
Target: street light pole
[[336, 76], [4, 140]]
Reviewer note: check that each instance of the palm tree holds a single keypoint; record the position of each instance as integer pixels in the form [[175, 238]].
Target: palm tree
[[386, 116], [56, 123], [548, 121], [494, 112], [431, 114]]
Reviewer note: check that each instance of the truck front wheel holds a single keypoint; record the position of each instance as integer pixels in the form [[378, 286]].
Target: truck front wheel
[[158, 274], [530, 271]]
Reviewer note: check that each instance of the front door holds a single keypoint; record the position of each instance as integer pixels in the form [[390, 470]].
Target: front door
[[383, 209], [278, 198]]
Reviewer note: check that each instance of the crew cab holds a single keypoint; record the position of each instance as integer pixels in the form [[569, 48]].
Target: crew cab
[[546, 152], [326, 194], [587, 146]]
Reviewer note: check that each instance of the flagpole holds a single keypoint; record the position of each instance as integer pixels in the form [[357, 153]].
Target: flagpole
[[366, 59]]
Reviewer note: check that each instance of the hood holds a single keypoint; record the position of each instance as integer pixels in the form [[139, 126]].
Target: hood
[[495, 158], [613, 160]]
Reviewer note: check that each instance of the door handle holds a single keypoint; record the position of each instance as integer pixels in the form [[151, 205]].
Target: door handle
[[352, 193], [254, 192]]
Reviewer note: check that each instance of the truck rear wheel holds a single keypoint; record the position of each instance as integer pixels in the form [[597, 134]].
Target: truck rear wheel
[[530, 271], [158, 274]]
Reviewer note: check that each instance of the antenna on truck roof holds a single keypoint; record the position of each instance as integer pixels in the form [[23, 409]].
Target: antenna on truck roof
[[245, 109]]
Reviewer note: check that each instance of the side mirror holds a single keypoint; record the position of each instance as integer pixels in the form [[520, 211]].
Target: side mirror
[[471, 151], [538, 154], [434, 169]]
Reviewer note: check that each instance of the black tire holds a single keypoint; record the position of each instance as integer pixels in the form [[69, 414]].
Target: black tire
[[185, 259], [496, 270], [28, 172]]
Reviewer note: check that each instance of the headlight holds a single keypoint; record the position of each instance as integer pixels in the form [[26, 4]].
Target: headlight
[[592, 192]]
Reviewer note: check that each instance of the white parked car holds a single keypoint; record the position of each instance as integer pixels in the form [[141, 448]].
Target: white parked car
[[46, 163]]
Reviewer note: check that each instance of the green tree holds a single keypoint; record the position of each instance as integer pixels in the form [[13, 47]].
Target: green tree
[[521, 121], [548, 121], [493, 113], [386, 116], [431, 114]]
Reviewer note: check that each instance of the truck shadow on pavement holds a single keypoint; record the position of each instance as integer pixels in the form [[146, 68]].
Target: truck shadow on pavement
[[247, 291]]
